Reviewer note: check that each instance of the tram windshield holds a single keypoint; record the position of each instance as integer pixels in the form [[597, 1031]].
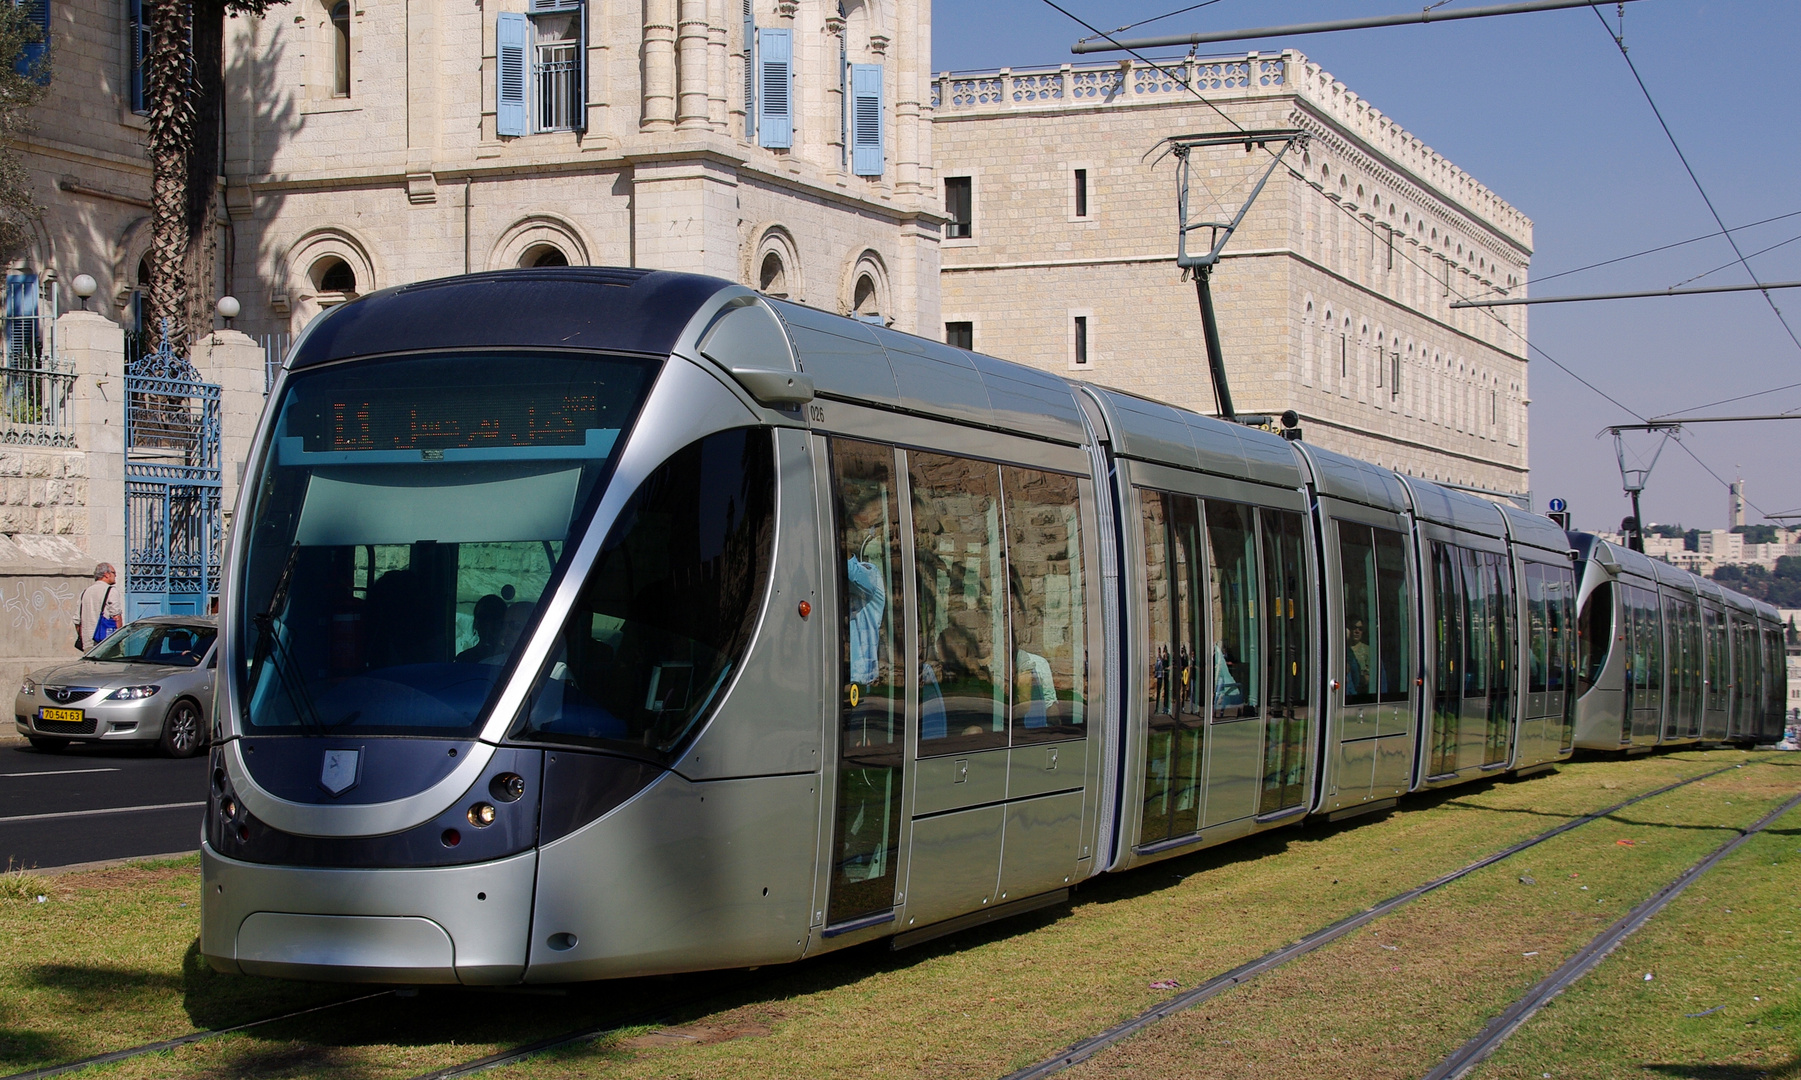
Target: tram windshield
[[409, 519]]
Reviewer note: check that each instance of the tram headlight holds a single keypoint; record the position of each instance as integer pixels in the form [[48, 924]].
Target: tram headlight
[[507, 787], [481, 815]]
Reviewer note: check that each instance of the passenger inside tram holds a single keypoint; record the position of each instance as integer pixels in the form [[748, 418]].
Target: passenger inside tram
[[1357, 660]]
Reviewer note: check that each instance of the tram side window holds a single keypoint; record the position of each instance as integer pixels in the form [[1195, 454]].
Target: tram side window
[[1395, 606], [873, 675], [670, 606], [1357, 565], [1286, 600], [1237, 666], [958, 555], [1044, 577], [1478, 654], [1653, 616], [1597, 635], [1448, 614], [1176, 729], [1538, 630]]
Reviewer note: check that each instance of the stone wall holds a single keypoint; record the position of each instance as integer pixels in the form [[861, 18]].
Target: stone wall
[[1338, 280], [41, 578]]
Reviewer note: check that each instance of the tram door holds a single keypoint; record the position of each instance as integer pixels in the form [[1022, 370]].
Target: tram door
[[1372, 663], [1718, 680], [872, 682]]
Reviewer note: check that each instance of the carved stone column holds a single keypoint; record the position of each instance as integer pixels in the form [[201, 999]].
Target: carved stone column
[[834, 95], [718, 65], [691, 48], [659, 64]]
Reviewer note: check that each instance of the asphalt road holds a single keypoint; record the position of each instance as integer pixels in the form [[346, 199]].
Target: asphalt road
[[88, 804]]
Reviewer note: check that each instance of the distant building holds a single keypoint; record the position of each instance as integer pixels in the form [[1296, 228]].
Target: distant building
[[1735, 503], [1333, 296]]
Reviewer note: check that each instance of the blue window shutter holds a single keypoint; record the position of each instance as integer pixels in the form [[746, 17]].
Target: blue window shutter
[[866, 119], [775, 89], [21, 316], [750, 71], [509, 73], [33, 54]]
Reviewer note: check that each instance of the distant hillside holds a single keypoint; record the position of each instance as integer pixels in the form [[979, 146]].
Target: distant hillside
[[1782, 588]]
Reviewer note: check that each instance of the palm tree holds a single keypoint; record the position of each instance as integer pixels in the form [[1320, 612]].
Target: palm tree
[[184, 91]]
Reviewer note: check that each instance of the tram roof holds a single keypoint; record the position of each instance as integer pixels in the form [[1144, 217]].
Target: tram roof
[[1153, 431], [861, 362], [568, 307], [1534, 529]]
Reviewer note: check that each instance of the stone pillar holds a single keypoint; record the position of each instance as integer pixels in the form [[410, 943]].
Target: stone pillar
[[95, 347], [659, 65], [691, 48], [235, 361], [422, 119], [718, 65], [836, 46]]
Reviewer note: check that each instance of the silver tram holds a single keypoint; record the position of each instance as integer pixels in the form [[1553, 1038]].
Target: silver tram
[[1669, 657], [585, 623]]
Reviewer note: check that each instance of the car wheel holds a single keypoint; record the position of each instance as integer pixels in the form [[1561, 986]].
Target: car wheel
[[183, 734], [48, 746]]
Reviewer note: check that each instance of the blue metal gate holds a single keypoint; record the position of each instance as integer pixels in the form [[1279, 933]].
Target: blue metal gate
[[173, 528]]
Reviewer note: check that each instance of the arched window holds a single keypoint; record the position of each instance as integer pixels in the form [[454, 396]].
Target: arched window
[[340, 41], [544, 255], [865, 304], [772, 277], [333, 275]]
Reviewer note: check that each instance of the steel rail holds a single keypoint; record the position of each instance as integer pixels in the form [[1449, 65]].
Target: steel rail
[[1087, 1048], [1430, 15], [1471, 1053], [180, 1041]]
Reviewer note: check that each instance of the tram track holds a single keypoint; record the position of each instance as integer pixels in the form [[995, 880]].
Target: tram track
[[1087, 1048], [1471, 1053], [1074, 1054], [114, 1056]]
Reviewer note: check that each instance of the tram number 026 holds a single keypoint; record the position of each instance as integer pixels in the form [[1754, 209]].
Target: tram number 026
[[816, 414]]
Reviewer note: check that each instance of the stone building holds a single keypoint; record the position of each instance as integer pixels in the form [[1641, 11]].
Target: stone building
[[781, 143], [1333, 296]]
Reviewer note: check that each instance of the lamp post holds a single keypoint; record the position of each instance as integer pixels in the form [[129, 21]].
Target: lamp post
[[228, 309], [85, 286]]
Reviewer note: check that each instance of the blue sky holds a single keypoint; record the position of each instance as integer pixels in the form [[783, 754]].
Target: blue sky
[[1543, 110]]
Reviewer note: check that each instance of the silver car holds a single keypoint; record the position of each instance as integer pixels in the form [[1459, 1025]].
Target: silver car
[[151, 681]]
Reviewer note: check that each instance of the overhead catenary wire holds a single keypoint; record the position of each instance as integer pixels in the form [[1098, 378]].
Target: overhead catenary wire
[[1717, 220], [1165, 15], [1653, 251], [1370, 228]]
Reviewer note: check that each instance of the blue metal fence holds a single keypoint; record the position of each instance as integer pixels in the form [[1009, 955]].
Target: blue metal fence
[[173, 527]]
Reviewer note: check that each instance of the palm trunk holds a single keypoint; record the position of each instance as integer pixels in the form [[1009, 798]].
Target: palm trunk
[[169, 88], [203, 162]]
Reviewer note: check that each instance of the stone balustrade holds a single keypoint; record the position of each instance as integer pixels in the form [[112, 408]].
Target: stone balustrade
[[1222, 80]]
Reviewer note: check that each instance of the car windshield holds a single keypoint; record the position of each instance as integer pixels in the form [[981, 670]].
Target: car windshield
[[173, 644], [410, 517]]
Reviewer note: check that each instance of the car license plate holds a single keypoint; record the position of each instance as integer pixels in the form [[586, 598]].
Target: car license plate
[[61, 716]]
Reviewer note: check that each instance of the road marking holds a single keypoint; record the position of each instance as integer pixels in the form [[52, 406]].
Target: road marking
[[103, 810], [57, 772]]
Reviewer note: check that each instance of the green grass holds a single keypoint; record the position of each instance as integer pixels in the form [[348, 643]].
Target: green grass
[[1394, 999], [1725, 998], [111, 962]]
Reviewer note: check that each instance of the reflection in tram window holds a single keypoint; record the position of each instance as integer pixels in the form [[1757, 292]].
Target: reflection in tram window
[[1044, 574], [1237, 667], [962, 619], [1357, 562], [1394, 603], [1498, 577], [1564, 672], [376, 519], [1538, 629], [1174, 637], [1449, 611], [1287, 600], [670, 605], [872, 722]]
